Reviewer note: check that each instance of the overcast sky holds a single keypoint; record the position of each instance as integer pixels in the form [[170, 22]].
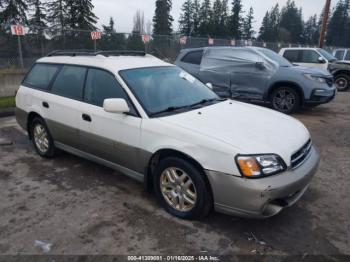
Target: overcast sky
[[123, 10]]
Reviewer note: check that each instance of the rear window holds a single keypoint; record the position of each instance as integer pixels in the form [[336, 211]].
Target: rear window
[[70, 82], [292, 55], [194, 57], [41, 76]]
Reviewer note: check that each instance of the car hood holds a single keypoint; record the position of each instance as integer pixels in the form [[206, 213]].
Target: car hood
[[247, 128], [342, 62], [309, 70]]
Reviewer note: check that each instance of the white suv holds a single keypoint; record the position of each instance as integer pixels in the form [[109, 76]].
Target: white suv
[[308, 57], [160, 125]]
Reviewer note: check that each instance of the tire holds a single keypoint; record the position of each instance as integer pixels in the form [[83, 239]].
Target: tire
[[42, 140], [342, 82], [202, 200], [285, 100]]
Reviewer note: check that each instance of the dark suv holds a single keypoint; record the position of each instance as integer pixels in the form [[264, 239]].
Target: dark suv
[[258, 74]]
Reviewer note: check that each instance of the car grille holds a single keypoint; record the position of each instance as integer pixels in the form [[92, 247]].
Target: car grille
[[301, 155]]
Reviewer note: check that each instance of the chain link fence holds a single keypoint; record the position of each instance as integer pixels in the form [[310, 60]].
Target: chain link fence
[[38, 42]]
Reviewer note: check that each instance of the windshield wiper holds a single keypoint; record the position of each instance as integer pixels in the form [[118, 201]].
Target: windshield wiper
[[205, 101], [168, 110]]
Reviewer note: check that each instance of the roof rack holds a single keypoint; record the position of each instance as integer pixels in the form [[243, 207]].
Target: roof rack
[[121, 53], [89, 52], [73, 52]]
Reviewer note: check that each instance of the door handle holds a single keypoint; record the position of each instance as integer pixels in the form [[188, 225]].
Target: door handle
[[46, 105], [86, 118]]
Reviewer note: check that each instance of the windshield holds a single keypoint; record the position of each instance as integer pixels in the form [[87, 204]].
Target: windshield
[[276, 57], [327, 55], [160, 89]]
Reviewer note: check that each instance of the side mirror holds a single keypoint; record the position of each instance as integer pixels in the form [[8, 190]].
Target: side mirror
[[210, 85], [260, 65], [116, 105], [321, 60]]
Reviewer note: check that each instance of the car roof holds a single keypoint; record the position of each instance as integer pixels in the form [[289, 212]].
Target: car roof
[[110, 63]]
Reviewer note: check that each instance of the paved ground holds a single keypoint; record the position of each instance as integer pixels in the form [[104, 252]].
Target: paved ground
[[84, 208]]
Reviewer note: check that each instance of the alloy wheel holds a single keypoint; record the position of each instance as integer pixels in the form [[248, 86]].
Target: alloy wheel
[[178, 189], [284, 100]]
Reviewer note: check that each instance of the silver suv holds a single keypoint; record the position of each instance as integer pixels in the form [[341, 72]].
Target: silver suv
[[258, 74]]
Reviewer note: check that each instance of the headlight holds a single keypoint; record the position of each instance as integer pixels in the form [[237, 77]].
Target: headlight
[[257, 166], [315, 78]]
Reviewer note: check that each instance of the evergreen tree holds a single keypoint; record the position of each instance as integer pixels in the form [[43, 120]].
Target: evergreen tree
[[196, 20], [186, 21], [311, 31], [264, 29], [338, 28], [216, 18], [274, 26], [236, 22], [269, 30], [111, 40], [80, 15], [57, 15], [110, 28], [291, 24], [13, 12], [162, 20], [38, 20], [205, 16], [248, 31], [224, 19]]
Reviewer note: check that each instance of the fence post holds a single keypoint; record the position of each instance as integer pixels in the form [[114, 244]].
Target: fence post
[[20, 51]]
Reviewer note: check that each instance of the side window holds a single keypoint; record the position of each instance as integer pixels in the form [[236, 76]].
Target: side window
[[70, 82], [292, 55], [310, 56], [41, 76], [101, 85], [194, 57], [340, 54]]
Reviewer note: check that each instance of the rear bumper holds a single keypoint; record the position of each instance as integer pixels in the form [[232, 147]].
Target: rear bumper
[[262, 198]]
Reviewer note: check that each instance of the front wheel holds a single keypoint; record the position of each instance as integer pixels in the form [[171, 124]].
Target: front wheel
[[181, 189], [285, 100], [342, 82]]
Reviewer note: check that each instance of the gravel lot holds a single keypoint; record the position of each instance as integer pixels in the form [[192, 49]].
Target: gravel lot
[[83, 208]]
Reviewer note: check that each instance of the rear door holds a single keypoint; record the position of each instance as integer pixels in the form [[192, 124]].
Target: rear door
[[63, 104], [110, 136]]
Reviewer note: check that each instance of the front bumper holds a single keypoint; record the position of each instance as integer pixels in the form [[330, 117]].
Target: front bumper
[[262, 198], [321, 96]]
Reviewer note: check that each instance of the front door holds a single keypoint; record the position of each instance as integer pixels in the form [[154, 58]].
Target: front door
[[109, 136]]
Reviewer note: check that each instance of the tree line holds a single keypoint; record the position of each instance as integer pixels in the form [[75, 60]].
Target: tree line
[[201, 18], [221, 19]]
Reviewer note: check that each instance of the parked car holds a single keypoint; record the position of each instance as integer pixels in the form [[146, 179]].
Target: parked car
[[319, 58], [308, 57], [258, 74], [158, 124], [342, 54]]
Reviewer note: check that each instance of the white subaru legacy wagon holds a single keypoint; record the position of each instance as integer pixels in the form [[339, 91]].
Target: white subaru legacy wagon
[[158, 124]]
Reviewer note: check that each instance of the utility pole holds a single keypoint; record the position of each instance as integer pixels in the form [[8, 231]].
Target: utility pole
[[325, 23]]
